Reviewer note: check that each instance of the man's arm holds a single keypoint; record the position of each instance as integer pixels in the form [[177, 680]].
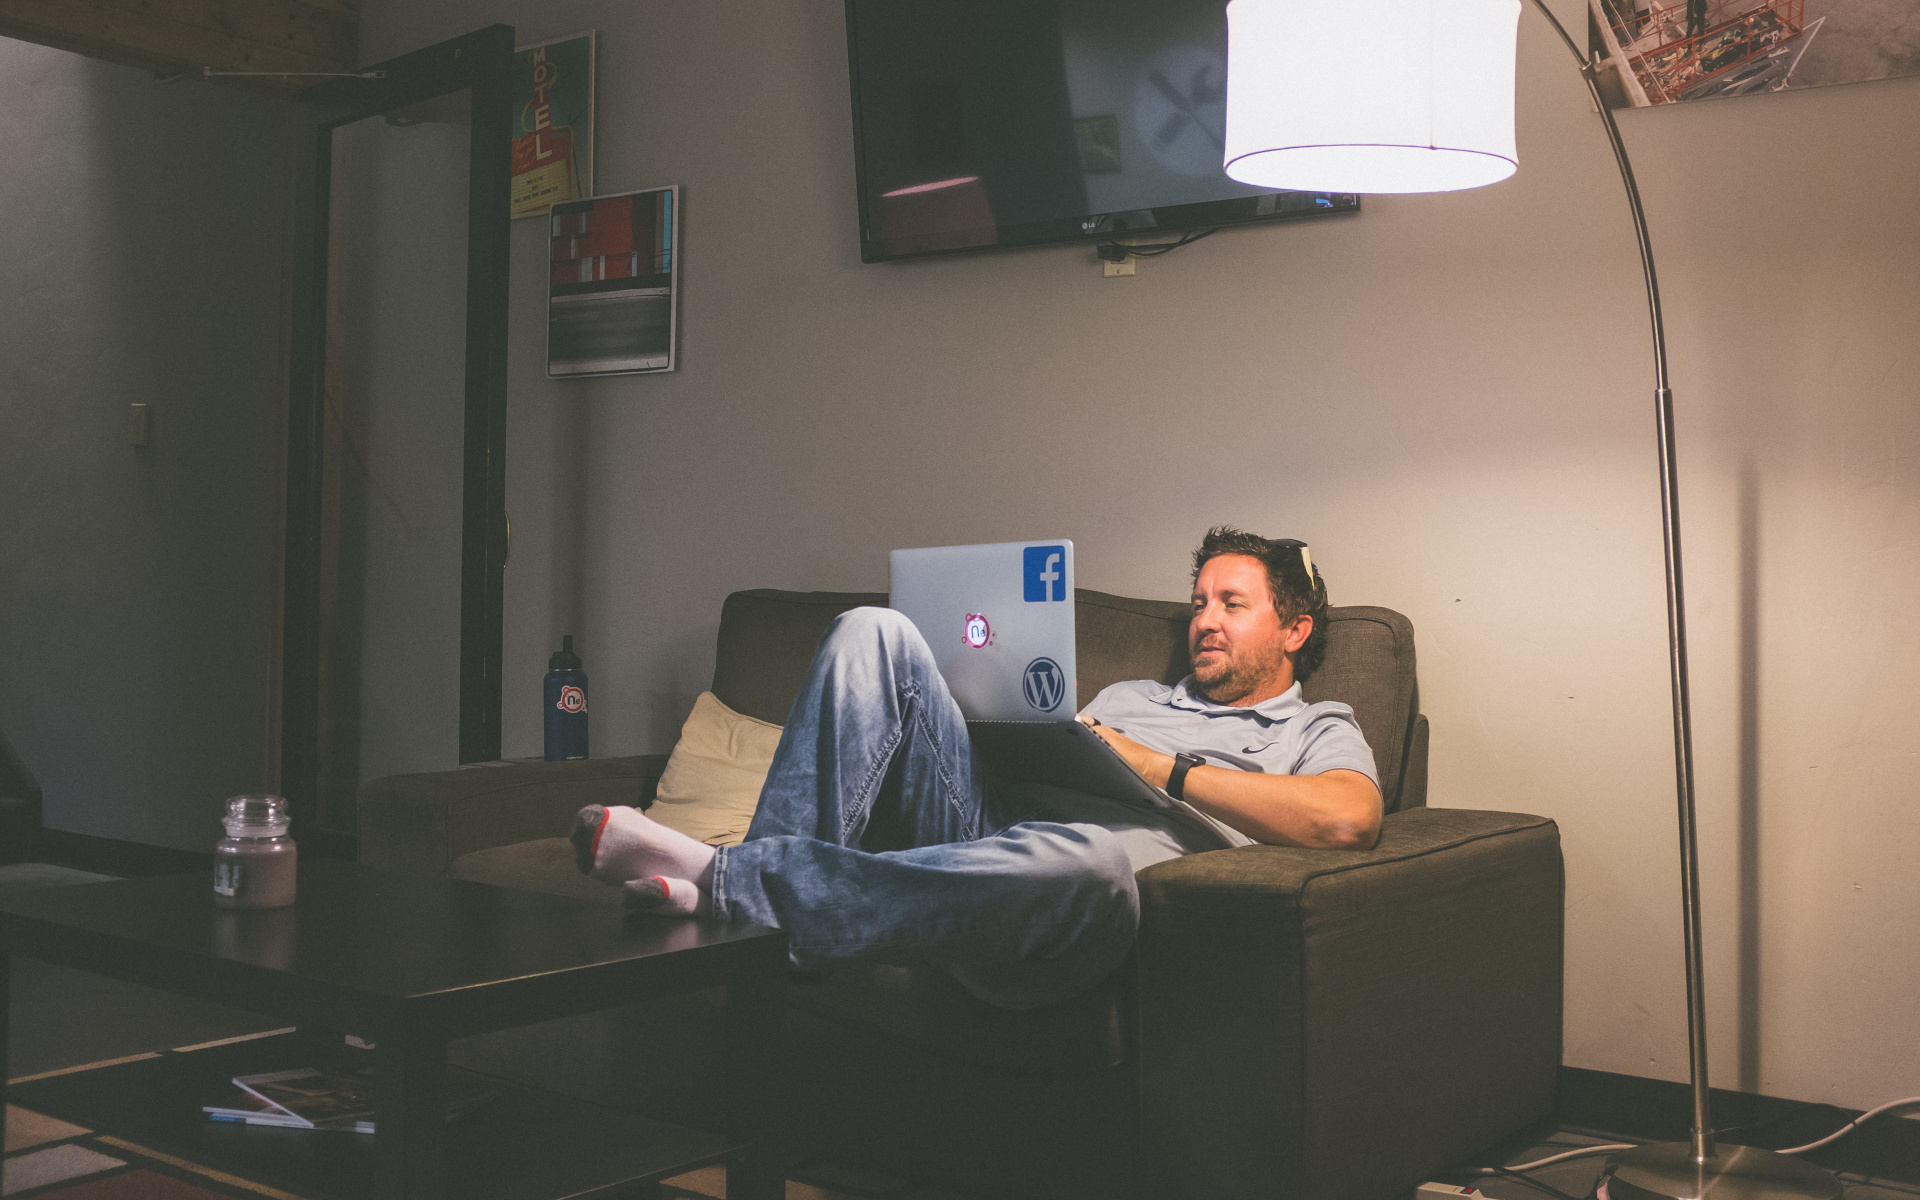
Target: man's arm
[[1335, 810]]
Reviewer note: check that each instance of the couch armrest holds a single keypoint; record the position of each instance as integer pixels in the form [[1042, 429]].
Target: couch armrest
[[1339, 1024], [423, 822]]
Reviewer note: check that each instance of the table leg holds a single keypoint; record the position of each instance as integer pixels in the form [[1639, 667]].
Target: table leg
[[6, 1011], [325, 1042], [756, 1077], [410, 1121]]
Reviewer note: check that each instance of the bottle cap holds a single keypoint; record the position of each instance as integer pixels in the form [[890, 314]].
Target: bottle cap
[[257, 816], [564, 659]]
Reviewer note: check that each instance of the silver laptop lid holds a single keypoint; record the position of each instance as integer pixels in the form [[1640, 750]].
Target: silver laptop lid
[[1000, 621]]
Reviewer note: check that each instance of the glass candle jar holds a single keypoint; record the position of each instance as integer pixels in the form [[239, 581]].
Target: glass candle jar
[[254, 866]]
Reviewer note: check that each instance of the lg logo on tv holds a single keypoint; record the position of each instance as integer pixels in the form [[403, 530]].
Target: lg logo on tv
[[1046, 573]]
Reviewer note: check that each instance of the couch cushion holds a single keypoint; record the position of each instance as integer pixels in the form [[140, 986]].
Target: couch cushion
[[1369, 667], [1117, 638], [767, 638], [541, 865], [423, 822], [713, 779]]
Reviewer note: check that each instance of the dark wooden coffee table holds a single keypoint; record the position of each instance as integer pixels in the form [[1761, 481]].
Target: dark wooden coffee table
[[406, 963]]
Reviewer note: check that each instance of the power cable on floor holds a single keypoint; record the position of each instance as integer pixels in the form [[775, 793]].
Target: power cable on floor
[[1610, 1147]]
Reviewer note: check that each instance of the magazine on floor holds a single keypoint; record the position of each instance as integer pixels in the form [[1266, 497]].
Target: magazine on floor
[[243, 1107], [336, 1098]]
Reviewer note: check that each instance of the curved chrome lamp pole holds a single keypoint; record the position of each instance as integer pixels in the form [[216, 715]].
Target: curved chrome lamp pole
[[1306, 37], [1676, 1170]]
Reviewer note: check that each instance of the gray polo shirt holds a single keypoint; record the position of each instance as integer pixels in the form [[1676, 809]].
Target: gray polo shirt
[[1281, 736]]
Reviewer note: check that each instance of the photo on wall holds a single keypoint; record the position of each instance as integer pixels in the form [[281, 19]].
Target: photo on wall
[[552, 123], [612, 304], [1652, 52]]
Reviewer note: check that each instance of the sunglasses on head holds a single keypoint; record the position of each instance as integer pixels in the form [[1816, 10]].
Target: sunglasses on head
[[1306, 560]]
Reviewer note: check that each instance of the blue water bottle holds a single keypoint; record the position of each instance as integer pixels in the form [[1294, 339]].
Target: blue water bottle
[[566, 704]]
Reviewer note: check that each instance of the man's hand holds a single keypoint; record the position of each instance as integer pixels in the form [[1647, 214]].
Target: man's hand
[[1335, 810], [1153, 766]]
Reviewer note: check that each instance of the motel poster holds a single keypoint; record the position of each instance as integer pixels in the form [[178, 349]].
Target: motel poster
[[552, 124]]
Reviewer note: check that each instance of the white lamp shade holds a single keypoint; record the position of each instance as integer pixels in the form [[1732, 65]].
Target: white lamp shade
[[1370, 95]]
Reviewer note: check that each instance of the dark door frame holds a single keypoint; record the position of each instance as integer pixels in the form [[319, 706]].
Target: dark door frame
[[482, 61]]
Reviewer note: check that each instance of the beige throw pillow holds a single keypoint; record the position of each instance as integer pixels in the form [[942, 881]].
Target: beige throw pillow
[[712, 782]]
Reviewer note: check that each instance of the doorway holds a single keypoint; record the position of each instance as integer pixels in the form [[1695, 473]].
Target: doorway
[[396, 528]]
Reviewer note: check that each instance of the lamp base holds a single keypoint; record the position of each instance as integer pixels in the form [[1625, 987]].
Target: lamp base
[[1667, 1171]]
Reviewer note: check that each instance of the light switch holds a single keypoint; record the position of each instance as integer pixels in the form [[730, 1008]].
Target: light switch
[[140, 425]]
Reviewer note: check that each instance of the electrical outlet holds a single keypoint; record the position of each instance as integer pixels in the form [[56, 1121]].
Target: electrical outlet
[[1121, 269], [140, 425]]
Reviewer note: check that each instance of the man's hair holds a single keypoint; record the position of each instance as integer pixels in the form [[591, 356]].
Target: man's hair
[[1294, 595]]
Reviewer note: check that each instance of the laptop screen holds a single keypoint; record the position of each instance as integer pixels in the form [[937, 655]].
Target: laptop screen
[[999, 619]]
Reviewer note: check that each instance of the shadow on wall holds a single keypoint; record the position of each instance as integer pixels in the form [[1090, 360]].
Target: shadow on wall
[[190, 221], [1749, 778], [143, 262]]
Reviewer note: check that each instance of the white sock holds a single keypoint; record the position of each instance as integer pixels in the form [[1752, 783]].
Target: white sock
[[614, 845], [664, 897]]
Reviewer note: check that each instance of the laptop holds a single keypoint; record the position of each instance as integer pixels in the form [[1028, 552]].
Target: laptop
[[1000, 621]]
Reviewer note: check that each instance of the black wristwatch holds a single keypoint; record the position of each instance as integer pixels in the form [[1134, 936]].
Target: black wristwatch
[[1177, 781]]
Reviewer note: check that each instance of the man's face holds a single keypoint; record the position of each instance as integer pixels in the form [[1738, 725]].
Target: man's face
[[1238, 644]]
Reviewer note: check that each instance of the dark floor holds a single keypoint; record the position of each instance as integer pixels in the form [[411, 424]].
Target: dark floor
[[64, 1018]]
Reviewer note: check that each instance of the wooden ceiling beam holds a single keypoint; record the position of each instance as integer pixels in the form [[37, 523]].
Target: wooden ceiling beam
[[174, 36], [307, 29]]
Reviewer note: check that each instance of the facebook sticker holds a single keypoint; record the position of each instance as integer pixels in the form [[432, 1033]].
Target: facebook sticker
[[1046, 573]]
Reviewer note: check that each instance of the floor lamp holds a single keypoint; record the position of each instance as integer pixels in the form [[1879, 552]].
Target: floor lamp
[[1417, 96]]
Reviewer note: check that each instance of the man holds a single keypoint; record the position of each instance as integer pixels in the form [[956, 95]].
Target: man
[[879, 836]]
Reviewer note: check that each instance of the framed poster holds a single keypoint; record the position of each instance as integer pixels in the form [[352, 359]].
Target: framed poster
[[1652, 52], [612, 297], [552, 123]]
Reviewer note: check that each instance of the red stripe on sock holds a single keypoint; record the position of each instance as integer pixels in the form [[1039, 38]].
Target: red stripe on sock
[[593, 854], [666, 892]]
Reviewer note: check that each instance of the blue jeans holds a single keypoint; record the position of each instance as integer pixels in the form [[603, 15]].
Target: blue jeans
[[878, 838]]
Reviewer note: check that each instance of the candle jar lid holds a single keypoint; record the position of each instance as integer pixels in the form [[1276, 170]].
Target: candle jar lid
[[257, 816]]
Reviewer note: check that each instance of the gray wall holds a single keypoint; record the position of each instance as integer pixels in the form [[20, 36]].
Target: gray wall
[[1448, 395], [142, 239]]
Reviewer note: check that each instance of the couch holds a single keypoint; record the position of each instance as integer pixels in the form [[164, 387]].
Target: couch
[[1294, 1023]]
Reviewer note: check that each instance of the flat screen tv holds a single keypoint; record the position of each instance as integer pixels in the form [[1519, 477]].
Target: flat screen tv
[[983, 123]]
